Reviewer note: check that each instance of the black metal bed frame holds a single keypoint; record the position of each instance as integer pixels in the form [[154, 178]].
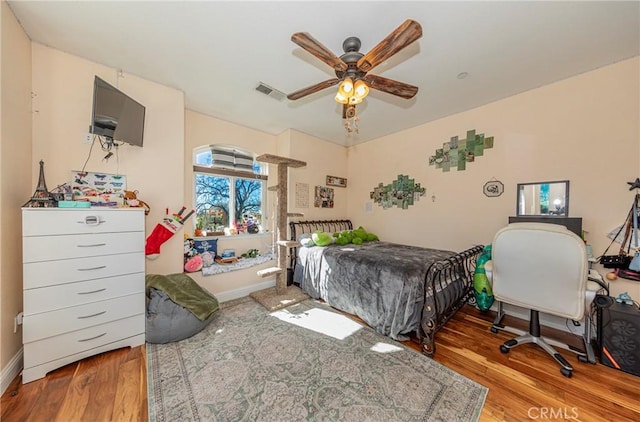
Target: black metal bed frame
[[451, 297]]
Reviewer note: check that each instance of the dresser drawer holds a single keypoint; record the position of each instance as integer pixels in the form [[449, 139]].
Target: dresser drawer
[[49, 248], [43, 222], [52, 348], [73, 294], [50, 273], [49, 324]]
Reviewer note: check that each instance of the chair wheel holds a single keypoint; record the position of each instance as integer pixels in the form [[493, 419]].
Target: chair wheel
[[494, 330], [504, 349], [583, 358], [566, 372]]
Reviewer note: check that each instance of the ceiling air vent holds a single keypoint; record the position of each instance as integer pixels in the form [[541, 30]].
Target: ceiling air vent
[[270, 92]]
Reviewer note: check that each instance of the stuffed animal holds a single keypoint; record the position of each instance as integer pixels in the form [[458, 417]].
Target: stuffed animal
[[193, 264], [131, 198], [481, 285]]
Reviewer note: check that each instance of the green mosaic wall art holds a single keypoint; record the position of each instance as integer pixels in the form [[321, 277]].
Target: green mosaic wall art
[[402, 192], [456, 153]]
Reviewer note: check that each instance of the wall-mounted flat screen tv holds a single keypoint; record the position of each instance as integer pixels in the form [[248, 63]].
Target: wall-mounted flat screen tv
[[116, 116]]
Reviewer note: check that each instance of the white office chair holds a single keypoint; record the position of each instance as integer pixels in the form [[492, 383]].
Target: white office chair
[[543, 267]]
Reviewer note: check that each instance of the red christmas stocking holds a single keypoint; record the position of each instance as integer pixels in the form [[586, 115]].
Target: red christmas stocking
[[160, 234]]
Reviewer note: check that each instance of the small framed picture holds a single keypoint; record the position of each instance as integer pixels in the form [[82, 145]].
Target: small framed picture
[[336, 181], [493, 188]]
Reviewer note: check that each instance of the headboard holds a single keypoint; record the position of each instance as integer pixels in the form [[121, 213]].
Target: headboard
[[309, 226]]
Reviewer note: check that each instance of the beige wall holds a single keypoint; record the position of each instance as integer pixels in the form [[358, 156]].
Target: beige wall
[[203, 130], [15, 174], [585, 129], [322, 158], [63, 87]]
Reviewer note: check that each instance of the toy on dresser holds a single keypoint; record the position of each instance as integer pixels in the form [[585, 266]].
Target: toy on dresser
[[131, 198]]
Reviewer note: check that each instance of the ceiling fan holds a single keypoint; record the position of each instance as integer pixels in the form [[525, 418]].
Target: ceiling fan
[[352, 67]]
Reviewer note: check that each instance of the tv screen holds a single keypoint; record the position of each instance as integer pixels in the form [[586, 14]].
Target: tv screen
[[116, 115]]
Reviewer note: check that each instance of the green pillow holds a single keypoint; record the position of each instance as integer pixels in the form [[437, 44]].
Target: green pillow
[[321, 238]]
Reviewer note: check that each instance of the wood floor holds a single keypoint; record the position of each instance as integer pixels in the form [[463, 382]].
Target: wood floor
[[524, 384]]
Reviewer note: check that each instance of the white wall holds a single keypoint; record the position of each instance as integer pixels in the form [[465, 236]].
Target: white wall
[[585, 129]]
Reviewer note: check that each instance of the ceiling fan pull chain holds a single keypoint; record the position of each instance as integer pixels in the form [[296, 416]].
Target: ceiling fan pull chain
[[351, 124]]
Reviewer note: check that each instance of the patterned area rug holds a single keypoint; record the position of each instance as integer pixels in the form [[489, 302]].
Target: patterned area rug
[[302, 363]]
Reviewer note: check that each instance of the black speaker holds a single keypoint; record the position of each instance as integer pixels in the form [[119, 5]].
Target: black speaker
[[618, 334]]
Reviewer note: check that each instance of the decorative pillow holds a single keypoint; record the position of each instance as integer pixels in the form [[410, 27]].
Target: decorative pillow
[[321, 238], [307, 242], [208, 258], [206, 245], [304, 236], [193, 264]]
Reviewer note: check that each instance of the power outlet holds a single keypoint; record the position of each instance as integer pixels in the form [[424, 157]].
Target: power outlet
[[17, 321], [88, 138]]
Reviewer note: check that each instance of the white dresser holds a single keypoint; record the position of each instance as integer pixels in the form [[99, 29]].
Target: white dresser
[[83, 281]]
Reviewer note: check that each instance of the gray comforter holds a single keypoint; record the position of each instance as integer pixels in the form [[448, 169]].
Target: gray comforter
[[381, 282]]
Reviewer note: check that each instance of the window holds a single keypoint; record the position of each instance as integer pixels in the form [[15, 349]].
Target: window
[[229, 188]]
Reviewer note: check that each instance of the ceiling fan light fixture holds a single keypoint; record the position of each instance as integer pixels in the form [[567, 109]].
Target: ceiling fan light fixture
[[361, 89], [345, 91], [350, 92], [341, 98], [346, 86]]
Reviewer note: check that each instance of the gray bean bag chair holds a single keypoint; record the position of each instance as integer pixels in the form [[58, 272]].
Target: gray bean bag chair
[[177, 308]]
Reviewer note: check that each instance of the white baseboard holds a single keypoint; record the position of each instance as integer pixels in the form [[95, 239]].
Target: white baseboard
[[245, 291], [11, 371]]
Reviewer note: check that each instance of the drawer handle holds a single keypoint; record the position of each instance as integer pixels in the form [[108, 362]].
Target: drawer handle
[[92, 246], [91, 269], [94, 291], [91, 316], [92, 220], [93, 338]]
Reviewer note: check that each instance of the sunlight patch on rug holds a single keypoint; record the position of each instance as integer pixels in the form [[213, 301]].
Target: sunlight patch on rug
[[385, 348], [321, 321]]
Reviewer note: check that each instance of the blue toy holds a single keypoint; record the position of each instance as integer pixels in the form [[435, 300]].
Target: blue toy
[[624, 298], [481, 285]]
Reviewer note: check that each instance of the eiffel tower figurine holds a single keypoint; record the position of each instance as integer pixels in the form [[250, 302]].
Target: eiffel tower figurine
[[41, 198]]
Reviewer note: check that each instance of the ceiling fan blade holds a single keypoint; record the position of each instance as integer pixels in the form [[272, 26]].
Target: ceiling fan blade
[[313, 88], [314, 47], [401, 37], [391, 86]]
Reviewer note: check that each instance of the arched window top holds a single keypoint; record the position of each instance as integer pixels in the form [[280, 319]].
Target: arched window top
[[228, 157]]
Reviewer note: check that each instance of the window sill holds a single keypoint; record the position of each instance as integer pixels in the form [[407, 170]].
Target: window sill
[[235, 236], [239, 265]]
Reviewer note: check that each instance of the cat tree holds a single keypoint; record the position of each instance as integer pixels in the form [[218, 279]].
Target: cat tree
[[281, 295]]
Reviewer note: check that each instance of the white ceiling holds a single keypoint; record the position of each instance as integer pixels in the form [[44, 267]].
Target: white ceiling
[[217, 52]]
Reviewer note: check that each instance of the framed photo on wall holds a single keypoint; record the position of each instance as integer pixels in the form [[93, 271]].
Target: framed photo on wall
[[336, 181], [324, 197], [493, 188]]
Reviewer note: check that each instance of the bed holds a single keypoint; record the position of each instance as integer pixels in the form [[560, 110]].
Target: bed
[[399, 290]]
